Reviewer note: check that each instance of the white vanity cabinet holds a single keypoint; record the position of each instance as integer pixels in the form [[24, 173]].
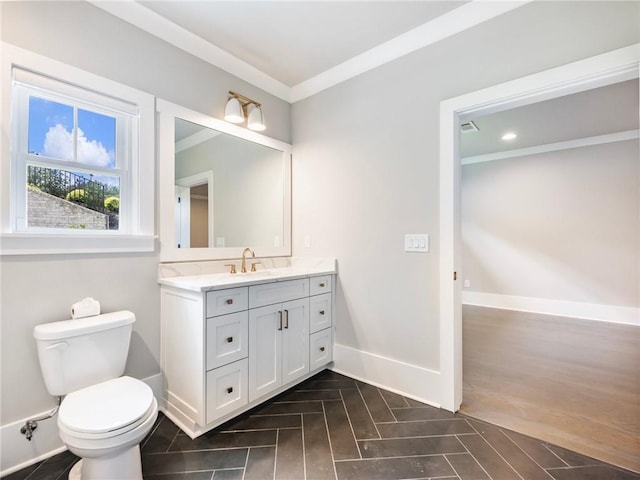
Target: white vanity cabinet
[[226, 350]]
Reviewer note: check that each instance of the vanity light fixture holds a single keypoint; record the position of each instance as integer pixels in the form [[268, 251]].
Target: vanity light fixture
[[240, 107]]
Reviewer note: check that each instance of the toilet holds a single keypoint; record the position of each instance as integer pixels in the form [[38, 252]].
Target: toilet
[[104, 416]]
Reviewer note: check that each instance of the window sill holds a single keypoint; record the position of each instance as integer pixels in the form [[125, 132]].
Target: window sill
[[29, 244]]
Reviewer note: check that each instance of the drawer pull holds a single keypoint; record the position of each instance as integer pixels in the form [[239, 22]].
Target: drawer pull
[[229, 339], [286, 319], [322, 285], [321, 312], [229, 301], [322, 349], [279, 320], [229, 389]]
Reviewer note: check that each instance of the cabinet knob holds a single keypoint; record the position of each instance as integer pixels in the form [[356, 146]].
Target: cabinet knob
[[229, 389], [229, 339], [322, 349], [321, 312], [229, 301], [322, 285]]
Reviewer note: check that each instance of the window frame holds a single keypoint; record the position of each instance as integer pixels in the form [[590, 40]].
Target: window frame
[[136, 229]]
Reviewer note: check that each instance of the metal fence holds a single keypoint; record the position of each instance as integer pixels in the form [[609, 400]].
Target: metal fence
[[68, 185]]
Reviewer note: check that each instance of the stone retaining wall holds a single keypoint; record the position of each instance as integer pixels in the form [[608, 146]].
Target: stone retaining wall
[[45, 210]]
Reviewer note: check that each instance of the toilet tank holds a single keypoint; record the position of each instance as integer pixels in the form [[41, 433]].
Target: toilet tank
[[74, 354]]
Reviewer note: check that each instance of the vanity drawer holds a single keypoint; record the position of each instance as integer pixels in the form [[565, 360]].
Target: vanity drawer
[[227, 338], [276, 292], [226, 389], [320, 312], [320, 349], [221, 302], [320, 285]]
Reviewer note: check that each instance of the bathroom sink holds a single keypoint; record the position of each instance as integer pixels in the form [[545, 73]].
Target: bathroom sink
[[201, 282]]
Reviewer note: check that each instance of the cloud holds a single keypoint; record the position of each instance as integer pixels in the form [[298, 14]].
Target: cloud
[[58, 143]]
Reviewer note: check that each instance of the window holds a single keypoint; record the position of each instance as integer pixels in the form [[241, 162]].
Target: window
[[74, 158], [78, 180]]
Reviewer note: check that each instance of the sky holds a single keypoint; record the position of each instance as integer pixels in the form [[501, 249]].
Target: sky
[[51, 128], [51, 133]]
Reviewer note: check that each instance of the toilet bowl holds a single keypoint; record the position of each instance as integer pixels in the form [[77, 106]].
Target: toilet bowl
[[104, 416], [104, 425]]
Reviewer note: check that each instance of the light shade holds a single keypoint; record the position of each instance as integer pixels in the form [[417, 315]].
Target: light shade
[[233, 111], [255, 121]]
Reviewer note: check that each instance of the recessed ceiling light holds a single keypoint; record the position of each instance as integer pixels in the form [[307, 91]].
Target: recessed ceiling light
[[509, 136]]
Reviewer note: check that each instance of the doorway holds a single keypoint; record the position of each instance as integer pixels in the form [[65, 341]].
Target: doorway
[[612, 67]]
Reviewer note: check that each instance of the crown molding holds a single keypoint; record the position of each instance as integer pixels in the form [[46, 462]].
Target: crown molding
[[552, 147], [455, 21], [140, 16]]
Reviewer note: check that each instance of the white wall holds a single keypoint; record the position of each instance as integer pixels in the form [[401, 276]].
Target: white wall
[[560, 226], [37, 289], [366, 169]]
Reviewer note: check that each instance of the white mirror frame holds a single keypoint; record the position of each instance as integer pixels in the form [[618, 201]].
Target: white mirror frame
[[167, 114]]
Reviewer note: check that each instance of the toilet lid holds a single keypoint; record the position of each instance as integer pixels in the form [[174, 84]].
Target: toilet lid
[[106, 406]]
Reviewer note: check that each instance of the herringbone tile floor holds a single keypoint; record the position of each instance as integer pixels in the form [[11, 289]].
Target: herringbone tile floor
[[333, 427]]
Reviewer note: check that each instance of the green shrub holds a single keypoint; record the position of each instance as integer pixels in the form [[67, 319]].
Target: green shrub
[[112, 204], [78, 196], [33, 188]]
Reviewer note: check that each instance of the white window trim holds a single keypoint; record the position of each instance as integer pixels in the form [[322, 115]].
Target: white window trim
[[141, 235]]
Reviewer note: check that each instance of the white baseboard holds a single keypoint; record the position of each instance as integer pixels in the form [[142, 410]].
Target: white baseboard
[[587, 311], [411, 381], [16, 452]]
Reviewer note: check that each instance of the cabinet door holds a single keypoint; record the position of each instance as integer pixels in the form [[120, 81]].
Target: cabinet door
[[295, 339], [265, 350]]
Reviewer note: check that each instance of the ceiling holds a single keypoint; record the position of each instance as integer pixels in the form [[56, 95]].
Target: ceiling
[[294, 49], [295, 41], [602, 111]]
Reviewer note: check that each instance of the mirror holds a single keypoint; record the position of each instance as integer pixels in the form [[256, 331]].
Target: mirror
[[222, 188]]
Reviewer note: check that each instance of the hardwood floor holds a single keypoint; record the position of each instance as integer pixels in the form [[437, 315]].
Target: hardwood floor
[[571, 382]]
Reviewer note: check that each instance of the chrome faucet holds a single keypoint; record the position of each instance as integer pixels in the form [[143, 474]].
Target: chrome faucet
[[243, 269]]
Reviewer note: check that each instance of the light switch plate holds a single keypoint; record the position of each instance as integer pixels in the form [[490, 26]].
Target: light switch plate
[[416, 242]]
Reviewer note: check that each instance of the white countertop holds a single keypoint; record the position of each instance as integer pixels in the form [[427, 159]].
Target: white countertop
[[203, 282]]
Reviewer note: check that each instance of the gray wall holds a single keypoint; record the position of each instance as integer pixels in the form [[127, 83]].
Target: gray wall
[[37, 289], [560, 225], [248, 188], [366, 163]]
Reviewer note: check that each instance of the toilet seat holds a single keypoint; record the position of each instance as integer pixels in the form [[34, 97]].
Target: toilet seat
[[106, 409]]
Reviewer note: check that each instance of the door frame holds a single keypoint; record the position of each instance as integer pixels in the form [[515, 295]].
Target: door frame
[[196, 180], [600, 70]]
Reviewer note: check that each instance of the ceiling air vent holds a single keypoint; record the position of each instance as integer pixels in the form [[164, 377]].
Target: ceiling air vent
[[467, 127]]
